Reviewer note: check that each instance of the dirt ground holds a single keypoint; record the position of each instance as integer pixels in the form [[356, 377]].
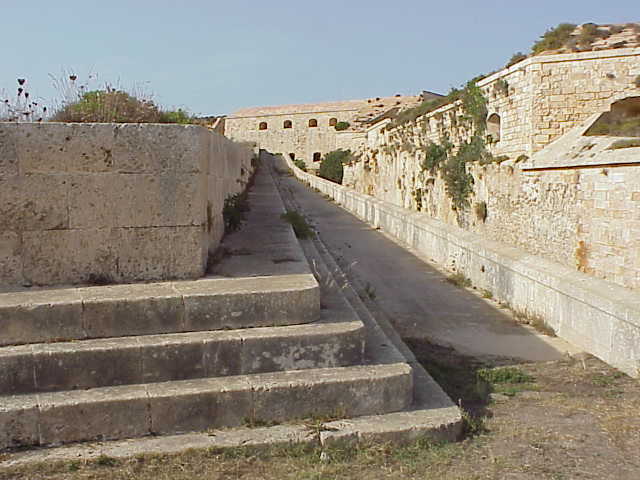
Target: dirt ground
[[570, 419]]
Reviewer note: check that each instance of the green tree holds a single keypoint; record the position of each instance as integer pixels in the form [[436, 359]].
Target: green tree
[[331, 166]]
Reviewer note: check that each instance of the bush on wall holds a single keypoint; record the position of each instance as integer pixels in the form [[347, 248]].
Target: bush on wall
[[331, 166]]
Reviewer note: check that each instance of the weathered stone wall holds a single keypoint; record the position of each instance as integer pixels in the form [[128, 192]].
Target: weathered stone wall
[[301, 139], [598, 316], [112, 203], [584, 218]]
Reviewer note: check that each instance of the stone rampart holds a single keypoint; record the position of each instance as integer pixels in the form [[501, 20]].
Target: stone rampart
[[112, 202], [598, 316], [582, 212]]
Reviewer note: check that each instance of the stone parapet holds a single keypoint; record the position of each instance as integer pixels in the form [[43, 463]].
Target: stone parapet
[[112, 202]]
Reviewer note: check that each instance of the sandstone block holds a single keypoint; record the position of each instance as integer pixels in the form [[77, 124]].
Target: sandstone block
[[36, 202], [68, 256], [40, 316], [10, 258], [98, 414], [8, 151], [196, 405], [65, 147], [19, 418], [119, 310]]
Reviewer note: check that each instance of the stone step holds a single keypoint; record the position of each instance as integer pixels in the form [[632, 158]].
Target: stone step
[[111, 413], [181, 356], [38, 316]]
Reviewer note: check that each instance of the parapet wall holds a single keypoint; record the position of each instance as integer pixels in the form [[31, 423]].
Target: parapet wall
[[598, 316], [112, 202]]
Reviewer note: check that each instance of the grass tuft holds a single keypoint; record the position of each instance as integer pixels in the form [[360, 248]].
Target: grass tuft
[[300, 226]]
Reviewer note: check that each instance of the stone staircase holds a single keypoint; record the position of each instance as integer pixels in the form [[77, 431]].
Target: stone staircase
[[174, 362]]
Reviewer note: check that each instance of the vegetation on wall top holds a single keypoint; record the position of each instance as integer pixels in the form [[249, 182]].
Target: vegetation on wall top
[[78, 103], [331, 166]]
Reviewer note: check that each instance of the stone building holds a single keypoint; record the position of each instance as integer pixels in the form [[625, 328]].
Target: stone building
[[308, 131]]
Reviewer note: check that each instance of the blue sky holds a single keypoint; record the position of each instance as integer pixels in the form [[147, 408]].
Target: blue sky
[[213, 57]]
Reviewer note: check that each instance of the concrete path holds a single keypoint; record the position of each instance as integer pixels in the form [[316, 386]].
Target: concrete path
[[415, 296]]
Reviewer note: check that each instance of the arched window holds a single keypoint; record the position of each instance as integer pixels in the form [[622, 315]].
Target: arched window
[[493, 127], [262, 126], [333, 122], [313, 122], [317, 156], [288, 124]]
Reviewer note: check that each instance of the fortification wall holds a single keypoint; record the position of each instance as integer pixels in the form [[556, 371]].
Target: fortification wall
[[299, 139], [598, 316], [112, 203], [585, 217]]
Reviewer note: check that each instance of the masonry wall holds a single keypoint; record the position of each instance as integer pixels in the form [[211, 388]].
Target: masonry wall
[[301, 140], [112, 203], [583, 218], [598, 316]]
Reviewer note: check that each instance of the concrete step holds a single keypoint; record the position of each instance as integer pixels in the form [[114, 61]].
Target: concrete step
[[158, 358], [38, 316], [198, 405]]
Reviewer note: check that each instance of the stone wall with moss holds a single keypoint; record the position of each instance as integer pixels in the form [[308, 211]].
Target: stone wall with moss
[[579, 217]]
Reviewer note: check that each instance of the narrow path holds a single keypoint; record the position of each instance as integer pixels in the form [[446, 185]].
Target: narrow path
[[415, 296]]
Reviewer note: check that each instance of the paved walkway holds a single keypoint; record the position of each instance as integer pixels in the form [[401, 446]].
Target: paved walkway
[[415, 296]]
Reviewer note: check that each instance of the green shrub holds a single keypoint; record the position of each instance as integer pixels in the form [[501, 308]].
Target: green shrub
[[298, 162], [116, 106], [618, 144], [342, 126], [590, 33], [331, 166], [176, 116], [234, 211], [554, 38], [481, 211], [300, 226], [504, 375], [436, 155], [515, 58]]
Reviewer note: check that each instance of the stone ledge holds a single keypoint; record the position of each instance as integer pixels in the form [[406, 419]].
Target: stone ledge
[[36, 316], [113, 413], [178, 356]]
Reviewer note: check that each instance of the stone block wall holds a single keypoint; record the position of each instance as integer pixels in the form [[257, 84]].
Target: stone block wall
[[583, 216], [111, 202], [301, 139]]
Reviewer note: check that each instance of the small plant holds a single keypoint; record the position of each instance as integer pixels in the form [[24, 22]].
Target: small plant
[[300, 226], [515, 58], [459, 280], [481, 210], [487, 294], [436, 155], [234, 211], [554, 38], [331, 167], [636, 82], [370, 291], [502, 86], [522, 158], [504, 375], [627, 143], [298, 162], [73, 466], [340, 126], [23, 108], [106, 461]]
